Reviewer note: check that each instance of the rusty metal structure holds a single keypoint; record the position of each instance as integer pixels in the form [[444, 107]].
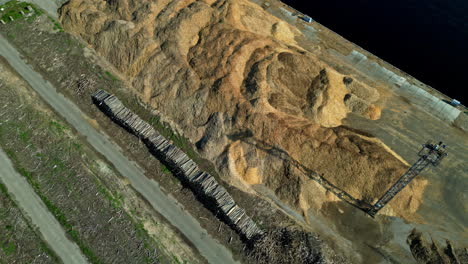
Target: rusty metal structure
[[430, 154]]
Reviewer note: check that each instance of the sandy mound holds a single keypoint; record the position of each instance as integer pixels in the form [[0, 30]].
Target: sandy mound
[[361, 90], [362, 107], [239, 167], [233, 80]]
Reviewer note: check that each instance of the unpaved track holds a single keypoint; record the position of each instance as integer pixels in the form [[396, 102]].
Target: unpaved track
[[166, 205], [28, 200]]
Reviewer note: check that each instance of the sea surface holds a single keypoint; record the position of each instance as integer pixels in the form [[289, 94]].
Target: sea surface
[[427, 39]]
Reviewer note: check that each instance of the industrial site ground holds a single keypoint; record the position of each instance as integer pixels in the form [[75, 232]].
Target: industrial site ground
[[73, 67]]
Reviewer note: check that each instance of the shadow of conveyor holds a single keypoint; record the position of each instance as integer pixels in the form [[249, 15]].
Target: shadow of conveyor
[[248, 138]]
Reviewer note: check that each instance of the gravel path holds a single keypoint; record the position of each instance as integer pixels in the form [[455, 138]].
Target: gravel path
[[40, 216]]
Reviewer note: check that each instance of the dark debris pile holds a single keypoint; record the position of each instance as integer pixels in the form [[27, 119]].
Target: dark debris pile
[[283, 245]]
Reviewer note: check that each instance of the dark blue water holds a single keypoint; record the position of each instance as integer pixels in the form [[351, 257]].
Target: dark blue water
[[428, 39]]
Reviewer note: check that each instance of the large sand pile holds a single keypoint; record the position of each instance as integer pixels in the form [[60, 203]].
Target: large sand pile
[[233, 80]]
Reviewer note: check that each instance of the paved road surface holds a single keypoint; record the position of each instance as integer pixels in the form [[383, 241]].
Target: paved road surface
[[50, 6], [28, 200], [164, 204]]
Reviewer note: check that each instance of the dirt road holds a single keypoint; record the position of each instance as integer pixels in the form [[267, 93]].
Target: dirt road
[[167, 206], [40, 216]]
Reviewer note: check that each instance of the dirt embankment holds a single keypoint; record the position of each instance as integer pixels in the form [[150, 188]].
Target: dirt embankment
[[232, 79]]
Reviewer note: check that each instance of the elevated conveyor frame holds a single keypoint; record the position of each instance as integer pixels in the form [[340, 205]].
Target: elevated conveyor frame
[[430, 154]]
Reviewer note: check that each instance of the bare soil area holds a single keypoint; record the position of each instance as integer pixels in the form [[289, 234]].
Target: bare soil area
[[77, 186], [19, 241]]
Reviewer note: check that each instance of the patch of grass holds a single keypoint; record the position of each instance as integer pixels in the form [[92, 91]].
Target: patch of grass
[[19, 26], [60, 216], [111, 76], [58, 27], [68, 42], [77, 146], [141, 232], [11, 36], [24, 136], [11, 154], [9, 248], [57, 165], [57, 128], [37, 10], [115, 202], [12, 9], [3, 189], [140, 229], [176, 259], [165, 170]]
